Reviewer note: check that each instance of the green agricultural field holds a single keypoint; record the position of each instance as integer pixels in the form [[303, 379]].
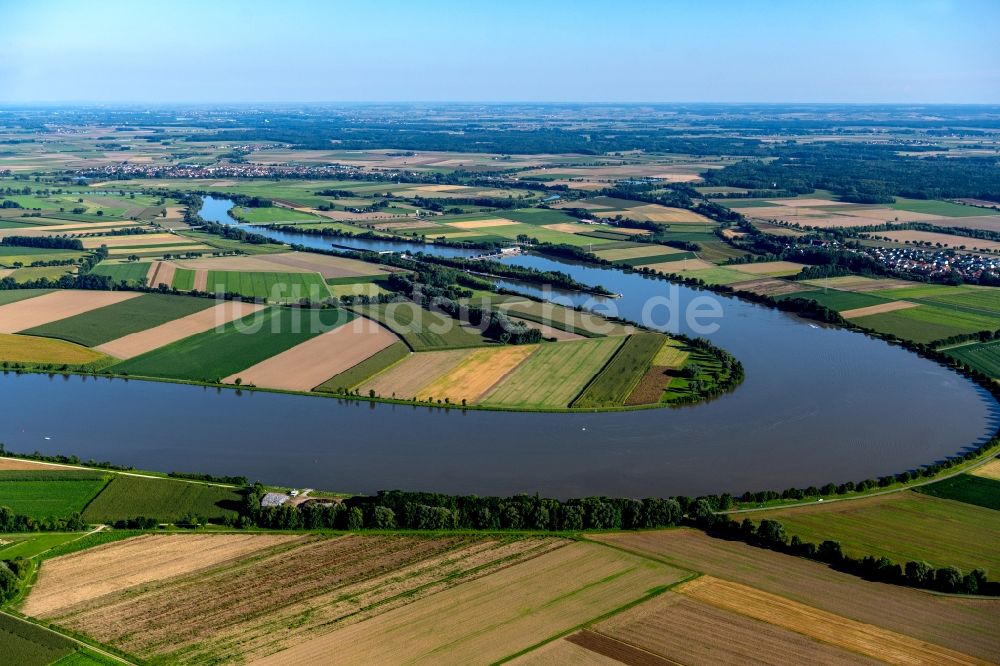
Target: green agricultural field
[[274, 287], [26, 644], [33, 543], [14, 224], [343, 227], [369, 289], [623, 372], [566, 319], [233, 245], [538, 216], [183, 279], [926, 323], [24, 275], [115, 321], [657, 259], [717, 275], [936, 207], [984, 356], [914, 293], [983, 301], [86, 657], [902, 526], [15, 295], [167, 500], [745, 203], [355, 279], [422, 329], [274, 214], [50, 493], [33, 202], [553, 376], [977, 490], [217, 354], [367, 368], [130, 273], [840, 300]]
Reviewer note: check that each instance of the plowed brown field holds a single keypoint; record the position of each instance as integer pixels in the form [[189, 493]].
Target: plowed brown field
[[964, 625]]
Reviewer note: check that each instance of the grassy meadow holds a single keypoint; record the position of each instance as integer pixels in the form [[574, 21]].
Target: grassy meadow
[[166, 500], [902, 526], [48, 493], [553, 376]]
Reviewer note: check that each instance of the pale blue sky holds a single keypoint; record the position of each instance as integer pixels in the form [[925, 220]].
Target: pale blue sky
[[503, 50]]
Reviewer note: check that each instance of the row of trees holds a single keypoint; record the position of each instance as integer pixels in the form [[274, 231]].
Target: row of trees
[[79, 281], [17, 522], [771, 534], [45, 242], [433, 511]]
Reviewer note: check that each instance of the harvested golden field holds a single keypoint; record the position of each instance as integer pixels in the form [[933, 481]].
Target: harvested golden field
[[658, 213], [54, 306], [88, 575], [200, 279], [30, 349], [990, 470], [286, 262], [682, 266], [306, 366], [291, 596], [487, 619], [857, 284], [60, 229], [158, 251], [562, 652], [161, 272], [683, 630], [132, 240], [482, 224], [770, 268], [963, 625], [866, 639], [477, 373], [558, 314], [152, 338], [984, 222], [406, 378], [646, 250], [891, 214], [809, 203], [770, 287], [891, 306], [566, 227]]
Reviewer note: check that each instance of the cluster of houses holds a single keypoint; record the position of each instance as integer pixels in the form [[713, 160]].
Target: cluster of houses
[[126, 170], [936, 263]]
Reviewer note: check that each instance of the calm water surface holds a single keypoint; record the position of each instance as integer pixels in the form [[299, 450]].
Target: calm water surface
[[818, 405]]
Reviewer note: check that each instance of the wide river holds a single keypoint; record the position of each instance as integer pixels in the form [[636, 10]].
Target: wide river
[[818, 405]]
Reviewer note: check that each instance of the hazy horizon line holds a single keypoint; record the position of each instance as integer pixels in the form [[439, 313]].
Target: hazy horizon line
[[481, 102]]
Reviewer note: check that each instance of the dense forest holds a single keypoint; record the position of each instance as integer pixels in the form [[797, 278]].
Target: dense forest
[[864, 173]]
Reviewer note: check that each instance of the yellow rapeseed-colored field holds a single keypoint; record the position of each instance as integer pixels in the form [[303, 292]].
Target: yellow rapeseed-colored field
[[29, 349]]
